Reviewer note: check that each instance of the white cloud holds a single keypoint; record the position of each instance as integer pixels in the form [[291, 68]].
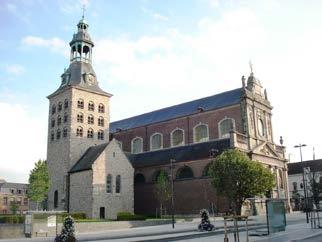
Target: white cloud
[[15, 69], [54, 44], [160, 17]]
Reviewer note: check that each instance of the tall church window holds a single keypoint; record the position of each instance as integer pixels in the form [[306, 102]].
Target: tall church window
[[261, 127], [137, 145], [58, 133], [100, 135], [118, 184], [225, 126], [52, 136], [177, 137], [91, 106], [53, 123], [101, 121], [60, 106], [80, 118], [65, 117], [65, 132], [101, 108], [90, 133], [90, 119], [58, 120], [56, 199], [80, 103], [200, 133], [184, 173], [156, 141], [109, 183], [79, 132], [66, 104], [53, 109]]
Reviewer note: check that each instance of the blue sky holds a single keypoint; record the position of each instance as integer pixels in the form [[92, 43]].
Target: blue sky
[[155, 53]]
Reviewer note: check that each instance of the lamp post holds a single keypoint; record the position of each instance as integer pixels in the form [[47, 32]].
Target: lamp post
[[303, 180], [172, 191]]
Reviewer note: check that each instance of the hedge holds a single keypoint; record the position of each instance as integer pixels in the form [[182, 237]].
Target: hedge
[[127, 216], [11, 219]]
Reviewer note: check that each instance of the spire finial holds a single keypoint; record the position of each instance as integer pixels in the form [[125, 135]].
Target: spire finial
[[84, 9]]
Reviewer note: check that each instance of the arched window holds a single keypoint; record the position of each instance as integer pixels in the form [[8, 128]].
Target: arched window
[[100, 135], [65, 132], [156, 141], [53, 123], [79, 132], [139, 178], [65, 117], [90, 119], [90, 106], [53, 109], [66, 104], [177, 137], [184, 173], [80, 118], [101, 121], [137, 145], [261, 127], [205, 171], [58, 133], [118, 184], [101, 108], [60, 106], [90, 133], [109, 183], [225, 126], [200, 133], [58, 120], [56, 199], [52, 136], [80, 103]]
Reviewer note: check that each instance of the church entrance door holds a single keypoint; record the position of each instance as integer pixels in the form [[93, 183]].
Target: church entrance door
[[102, 212]]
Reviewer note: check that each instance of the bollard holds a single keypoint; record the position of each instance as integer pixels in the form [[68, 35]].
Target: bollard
[[225, 226]]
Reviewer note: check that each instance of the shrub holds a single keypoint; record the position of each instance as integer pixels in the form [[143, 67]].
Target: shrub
[[127, 216], [11, 219]]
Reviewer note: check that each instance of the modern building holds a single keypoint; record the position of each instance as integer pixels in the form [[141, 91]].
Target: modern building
[[13, 193], [102, 168]]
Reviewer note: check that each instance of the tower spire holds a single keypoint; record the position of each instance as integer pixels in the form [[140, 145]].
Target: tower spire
[[84, 9]]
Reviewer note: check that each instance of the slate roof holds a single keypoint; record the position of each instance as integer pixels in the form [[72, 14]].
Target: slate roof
[[13, 185], [297, 167], [208, 103], [181, 153], [89, 157]]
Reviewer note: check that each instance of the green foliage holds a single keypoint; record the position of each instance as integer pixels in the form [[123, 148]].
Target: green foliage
[[38, 182], [11, 219], [14, 207], [127, 216], [237, 177], [68, 231], [162, 189]]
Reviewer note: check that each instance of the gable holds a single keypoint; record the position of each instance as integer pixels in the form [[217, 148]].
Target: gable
[[266, 150]]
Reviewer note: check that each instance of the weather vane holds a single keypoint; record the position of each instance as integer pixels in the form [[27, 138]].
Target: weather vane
[[84, 8]]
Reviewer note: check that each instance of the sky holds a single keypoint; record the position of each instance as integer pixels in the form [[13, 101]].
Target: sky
[[156, 53]]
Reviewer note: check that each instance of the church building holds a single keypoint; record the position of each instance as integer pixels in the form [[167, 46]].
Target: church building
[[102, 168]]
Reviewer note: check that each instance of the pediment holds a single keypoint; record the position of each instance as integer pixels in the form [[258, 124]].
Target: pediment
[[266, 150]]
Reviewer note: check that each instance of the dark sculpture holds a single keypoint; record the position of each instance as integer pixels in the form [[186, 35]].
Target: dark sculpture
[[205, 224]]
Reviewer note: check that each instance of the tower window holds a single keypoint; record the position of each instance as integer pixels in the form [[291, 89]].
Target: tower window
[[225, 126], [79, 132], [66, 104], [90, 106], [53, 109], [100, 135], [80, 118], [58, 120], [101, 121], [261, 127], [60, 106], [90, 133], [101, 108], [58, 133], [65, 118], [65, 132], [80, 103], [90, 119], [52, 136], [53, 123], [118, 184], [109, 183], [200, 133], [137, 145]]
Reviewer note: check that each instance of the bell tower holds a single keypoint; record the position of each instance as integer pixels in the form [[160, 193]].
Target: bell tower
[[78, 116]]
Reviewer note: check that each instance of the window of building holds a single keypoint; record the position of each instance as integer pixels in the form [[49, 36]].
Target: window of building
[[90, 119], [5, 201], [60, 106], [80, 103], [65, 117], [80, 118], [156, 141], [65, 132], [52, 136], [90, 133], [101, 121], [25, 201], [12, 191], [137, 145], [66, 104], [139, 178], [79, 132], [58, 133], [109, 183], [200, 133], [53, 123], [91, 106], [100, 135], [177, 137], [18, 201], [261, 127], [118, 184], [294, 186], [101, 108], [19, 191], [56, 199], [58, 120], [184, 173], [225, 126], [53, 109]]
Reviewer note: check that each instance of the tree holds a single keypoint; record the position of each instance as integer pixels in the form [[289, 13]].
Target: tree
[[38, 182], [162, 189], [68, 231], [14, 207], [237, 177], [314, 186]]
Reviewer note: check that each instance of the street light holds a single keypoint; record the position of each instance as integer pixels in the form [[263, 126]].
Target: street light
[[304, 185], [172, 191]]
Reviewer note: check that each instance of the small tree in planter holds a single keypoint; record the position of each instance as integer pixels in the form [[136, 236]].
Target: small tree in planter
[[205, 224], [67, 232]]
